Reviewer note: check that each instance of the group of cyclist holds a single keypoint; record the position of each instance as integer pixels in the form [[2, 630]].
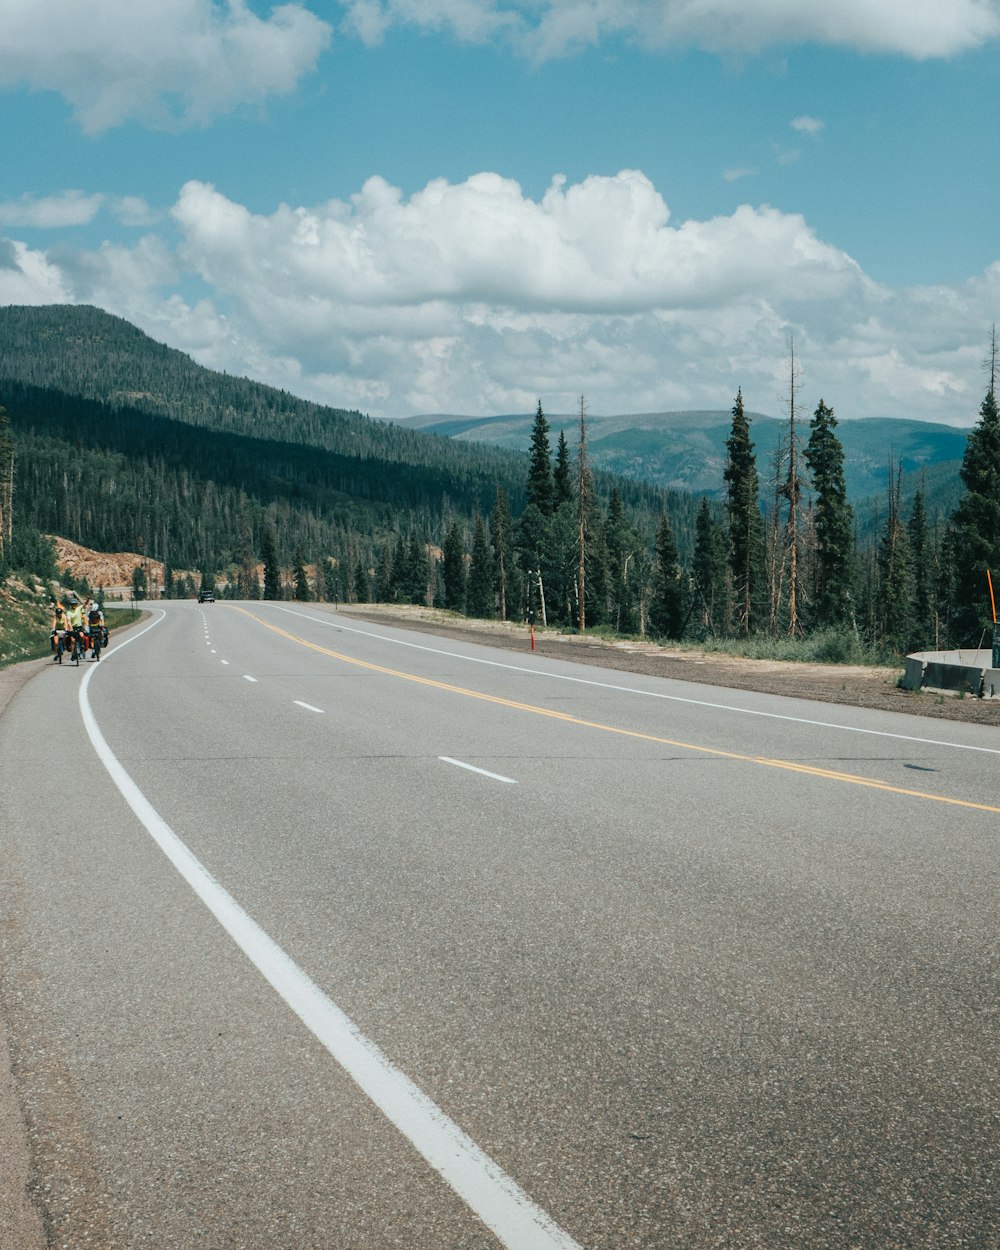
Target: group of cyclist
[[74, 622]]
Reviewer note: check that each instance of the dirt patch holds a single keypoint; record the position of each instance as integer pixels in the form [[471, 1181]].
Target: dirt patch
[[854, 685], [111, 569]]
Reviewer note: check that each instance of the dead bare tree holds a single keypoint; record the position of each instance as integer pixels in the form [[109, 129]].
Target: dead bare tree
[[792, 491], [583, 496]]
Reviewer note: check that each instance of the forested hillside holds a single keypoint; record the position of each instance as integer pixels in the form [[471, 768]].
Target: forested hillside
[[122, 442]]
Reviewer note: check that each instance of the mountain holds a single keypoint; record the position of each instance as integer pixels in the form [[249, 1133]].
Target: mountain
[[124, 443], [687, 450]]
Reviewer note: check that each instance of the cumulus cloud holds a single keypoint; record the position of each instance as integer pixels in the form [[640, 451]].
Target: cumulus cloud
[[474, 297], [176, 63], [807, 125], [29, 277], [602, 245], [545, 28], [53, 212]]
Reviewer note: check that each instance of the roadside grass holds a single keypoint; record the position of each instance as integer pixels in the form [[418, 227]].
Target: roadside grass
[[826, 646], [25, 621]]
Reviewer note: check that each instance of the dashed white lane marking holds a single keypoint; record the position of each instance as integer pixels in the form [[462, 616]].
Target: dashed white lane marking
[[225, 661], [493, 1196], [446, 759], [647, 694], [309, 707], [247, 677]]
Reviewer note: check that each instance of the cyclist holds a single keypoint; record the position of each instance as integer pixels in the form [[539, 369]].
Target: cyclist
[[60, 624], [95, 627], [76, 620]]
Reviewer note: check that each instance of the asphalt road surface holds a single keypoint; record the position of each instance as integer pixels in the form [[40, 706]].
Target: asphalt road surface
[[320, 935]]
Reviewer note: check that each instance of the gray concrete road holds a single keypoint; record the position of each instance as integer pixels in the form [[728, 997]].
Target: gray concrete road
[[668, 966]]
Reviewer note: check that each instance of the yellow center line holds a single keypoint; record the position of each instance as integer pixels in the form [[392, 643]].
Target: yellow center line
[[809, 770]]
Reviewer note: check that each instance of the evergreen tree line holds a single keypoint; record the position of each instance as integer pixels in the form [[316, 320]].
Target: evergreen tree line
[[788, 567]]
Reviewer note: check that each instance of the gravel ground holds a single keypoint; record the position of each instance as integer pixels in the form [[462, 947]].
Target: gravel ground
[[856, 685]]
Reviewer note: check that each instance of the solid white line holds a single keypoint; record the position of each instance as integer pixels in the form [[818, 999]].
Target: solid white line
[[648, 694], [309, 707], [446, 759], [247, 677], [494, 1197]]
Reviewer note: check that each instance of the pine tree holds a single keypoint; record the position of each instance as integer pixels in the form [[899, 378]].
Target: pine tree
[[746, 548], [533, 546], [272, 572], [833, 601], [667, 607], [539, 486], [921, 625], [417, 569], [709, 573], [562, 477], [623, 545], [500, 531], [384, 578], [362, 584], [303, 593], [894, 585], [400, 590], [976, 525], [479, 588], [454, 569]]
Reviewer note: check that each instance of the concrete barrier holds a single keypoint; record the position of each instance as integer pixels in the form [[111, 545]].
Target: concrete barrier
[[913, 673], [967, 670]]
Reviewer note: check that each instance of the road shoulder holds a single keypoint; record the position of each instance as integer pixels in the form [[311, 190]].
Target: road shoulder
[[20, 1222]]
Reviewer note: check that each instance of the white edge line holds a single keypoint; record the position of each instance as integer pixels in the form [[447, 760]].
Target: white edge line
[[648, 694], [309, 707], [446, 759], [494, 1197]]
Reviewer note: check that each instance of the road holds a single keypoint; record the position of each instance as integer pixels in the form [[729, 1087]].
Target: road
[[322, 935]]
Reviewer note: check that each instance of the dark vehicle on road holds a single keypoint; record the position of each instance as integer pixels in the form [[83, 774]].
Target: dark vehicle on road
[[206, 596]]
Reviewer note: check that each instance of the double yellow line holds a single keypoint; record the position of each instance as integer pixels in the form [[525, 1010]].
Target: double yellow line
[[810, 770]]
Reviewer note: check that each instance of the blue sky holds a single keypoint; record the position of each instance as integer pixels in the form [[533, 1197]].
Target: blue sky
[[467, 205]]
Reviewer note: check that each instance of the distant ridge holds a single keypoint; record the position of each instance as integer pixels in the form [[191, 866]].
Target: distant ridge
[[686, 450]]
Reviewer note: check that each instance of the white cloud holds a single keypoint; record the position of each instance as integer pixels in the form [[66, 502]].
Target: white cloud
[[472, 297], [546, 28], [132, 210], [28, 277], [175, 63], [53, 212], [602, 245], [807, 125]]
